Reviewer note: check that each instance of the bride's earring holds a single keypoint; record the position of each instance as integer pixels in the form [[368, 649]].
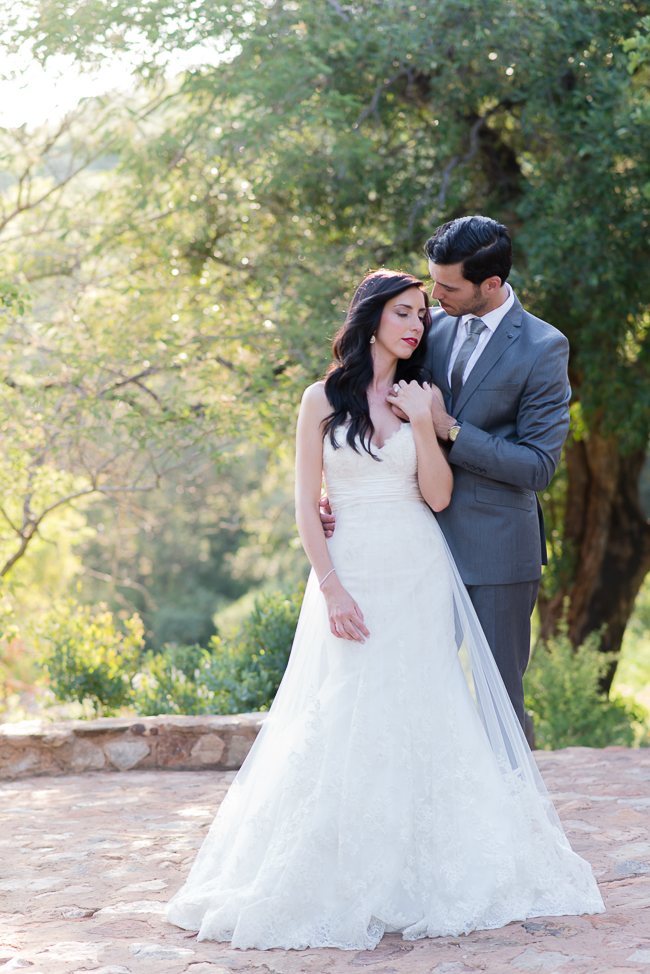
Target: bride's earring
[[372, 339]]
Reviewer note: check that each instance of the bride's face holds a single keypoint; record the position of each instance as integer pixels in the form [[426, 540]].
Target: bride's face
[[402, 326]]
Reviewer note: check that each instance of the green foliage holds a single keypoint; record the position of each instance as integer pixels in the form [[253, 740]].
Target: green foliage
[[87, 657], [244, 675], [26, 596], [561, 559], [197, 250], [633, 671], [184, 552], [237, 675], [637, 47], [13, 665], [96, 394], [13, 295], [169, 682], [562, 690], [250, 195]]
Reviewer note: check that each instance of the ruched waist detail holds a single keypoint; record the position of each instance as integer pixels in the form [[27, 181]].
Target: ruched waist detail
[[387, 490]]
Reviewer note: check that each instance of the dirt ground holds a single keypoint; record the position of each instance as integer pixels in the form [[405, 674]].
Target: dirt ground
[[88, 861]]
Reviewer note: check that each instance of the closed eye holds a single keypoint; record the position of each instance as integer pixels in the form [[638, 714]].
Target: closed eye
[[400, 314]]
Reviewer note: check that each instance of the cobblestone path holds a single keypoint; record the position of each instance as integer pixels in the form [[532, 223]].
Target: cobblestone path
[[87, 862]]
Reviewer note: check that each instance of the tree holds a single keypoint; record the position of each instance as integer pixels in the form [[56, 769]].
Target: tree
[[96, 396], [332, 137], [207, 537]]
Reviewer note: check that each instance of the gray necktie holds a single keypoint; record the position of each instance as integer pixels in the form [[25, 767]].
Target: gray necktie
[[476, 326]]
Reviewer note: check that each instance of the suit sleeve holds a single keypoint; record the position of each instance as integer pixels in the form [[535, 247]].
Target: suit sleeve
[[529, 461]]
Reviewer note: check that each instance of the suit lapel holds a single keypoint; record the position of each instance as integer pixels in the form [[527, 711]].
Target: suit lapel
[[440, 341], [507, 333]]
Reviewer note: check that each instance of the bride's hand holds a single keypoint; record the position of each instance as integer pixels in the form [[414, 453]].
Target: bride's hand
[[345, 616], [412, 399]]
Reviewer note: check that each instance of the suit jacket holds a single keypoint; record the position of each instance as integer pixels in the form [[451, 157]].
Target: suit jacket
[[514, 416]]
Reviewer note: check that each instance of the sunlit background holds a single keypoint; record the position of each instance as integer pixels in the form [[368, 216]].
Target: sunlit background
[[183, 221]]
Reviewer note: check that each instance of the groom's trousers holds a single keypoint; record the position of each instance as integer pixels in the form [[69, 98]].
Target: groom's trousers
[[504, 612]]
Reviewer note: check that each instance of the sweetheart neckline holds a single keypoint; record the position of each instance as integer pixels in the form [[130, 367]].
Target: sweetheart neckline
[[386, 441], [389, 438]]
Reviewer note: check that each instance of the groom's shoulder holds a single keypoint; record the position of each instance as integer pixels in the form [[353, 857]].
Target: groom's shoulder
[[440, 318], [540, 331]]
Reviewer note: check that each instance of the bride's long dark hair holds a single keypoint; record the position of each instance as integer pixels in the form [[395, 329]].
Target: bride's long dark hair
[[350, 374]]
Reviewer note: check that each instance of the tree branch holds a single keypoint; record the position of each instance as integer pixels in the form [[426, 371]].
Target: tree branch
[[132, 378], [127, 583], [372, 107], [339, 10], [9, 521], [456, 161], [445, 179]]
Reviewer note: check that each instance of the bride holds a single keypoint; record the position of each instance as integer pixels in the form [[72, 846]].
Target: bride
[[391, 788]]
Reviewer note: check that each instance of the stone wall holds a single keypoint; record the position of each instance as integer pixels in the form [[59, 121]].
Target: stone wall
[[35, 747]]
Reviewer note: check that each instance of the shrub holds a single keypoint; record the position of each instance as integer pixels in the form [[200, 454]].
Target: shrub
[[87, 657], [170, 682], [633, 671], [562, 689], [245, 674]]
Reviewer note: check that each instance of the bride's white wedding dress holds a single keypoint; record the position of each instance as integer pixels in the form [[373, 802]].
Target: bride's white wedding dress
[[391, 788]]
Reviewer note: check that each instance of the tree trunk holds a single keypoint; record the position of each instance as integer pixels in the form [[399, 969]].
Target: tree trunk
[[608, 538]]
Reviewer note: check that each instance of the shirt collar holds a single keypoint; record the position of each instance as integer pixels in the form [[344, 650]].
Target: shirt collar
[[494, 318]]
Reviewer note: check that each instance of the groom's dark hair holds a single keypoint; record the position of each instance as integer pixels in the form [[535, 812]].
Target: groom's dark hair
[[480, 244]]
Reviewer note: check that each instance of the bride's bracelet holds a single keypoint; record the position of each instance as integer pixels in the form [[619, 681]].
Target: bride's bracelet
[[326, 577]]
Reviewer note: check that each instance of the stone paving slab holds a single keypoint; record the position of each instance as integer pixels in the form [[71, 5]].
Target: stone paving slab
[[87, 862]]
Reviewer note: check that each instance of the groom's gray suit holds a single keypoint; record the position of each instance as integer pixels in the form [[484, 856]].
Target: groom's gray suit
[[514, 415]]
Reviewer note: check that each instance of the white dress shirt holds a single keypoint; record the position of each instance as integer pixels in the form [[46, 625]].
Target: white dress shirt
[[492, 320]]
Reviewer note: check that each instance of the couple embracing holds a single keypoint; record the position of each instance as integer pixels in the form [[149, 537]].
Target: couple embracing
[[391, 788]]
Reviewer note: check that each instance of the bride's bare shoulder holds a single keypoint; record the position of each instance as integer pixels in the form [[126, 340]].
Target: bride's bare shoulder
[[315, 393], [315, 402]]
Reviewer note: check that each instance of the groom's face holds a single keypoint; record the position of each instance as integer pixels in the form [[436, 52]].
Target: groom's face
[[454, 293]]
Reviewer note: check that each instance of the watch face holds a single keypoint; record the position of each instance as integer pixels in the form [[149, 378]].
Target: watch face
[[453, 433]]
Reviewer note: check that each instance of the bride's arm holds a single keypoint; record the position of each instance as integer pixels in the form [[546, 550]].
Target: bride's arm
[[435, 478], [345, 617]]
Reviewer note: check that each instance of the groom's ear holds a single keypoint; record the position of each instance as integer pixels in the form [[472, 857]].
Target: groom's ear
[[490, 285]]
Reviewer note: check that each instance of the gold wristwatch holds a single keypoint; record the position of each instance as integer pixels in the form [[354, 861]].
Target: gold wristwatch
[[453, 432]]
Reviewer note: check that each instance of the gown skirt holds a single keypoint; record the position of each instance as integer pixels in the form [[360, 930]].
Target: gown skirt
[[391, 788]]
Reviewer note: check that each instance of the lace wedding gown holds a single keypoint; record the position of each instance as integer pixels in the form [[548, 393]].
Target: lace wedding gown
[[390, 788]]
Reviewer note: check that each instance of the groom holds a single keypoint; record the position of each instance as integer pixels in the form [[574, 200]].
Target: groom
[[503, 376]]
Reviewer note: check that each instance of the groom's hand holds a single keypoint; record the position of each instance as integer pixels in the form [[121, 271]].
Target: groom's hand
[[327, 519]]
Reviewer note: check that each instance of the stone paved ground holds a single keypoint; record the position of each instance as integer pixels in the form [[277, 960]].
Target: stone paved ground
[[89, 860]]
